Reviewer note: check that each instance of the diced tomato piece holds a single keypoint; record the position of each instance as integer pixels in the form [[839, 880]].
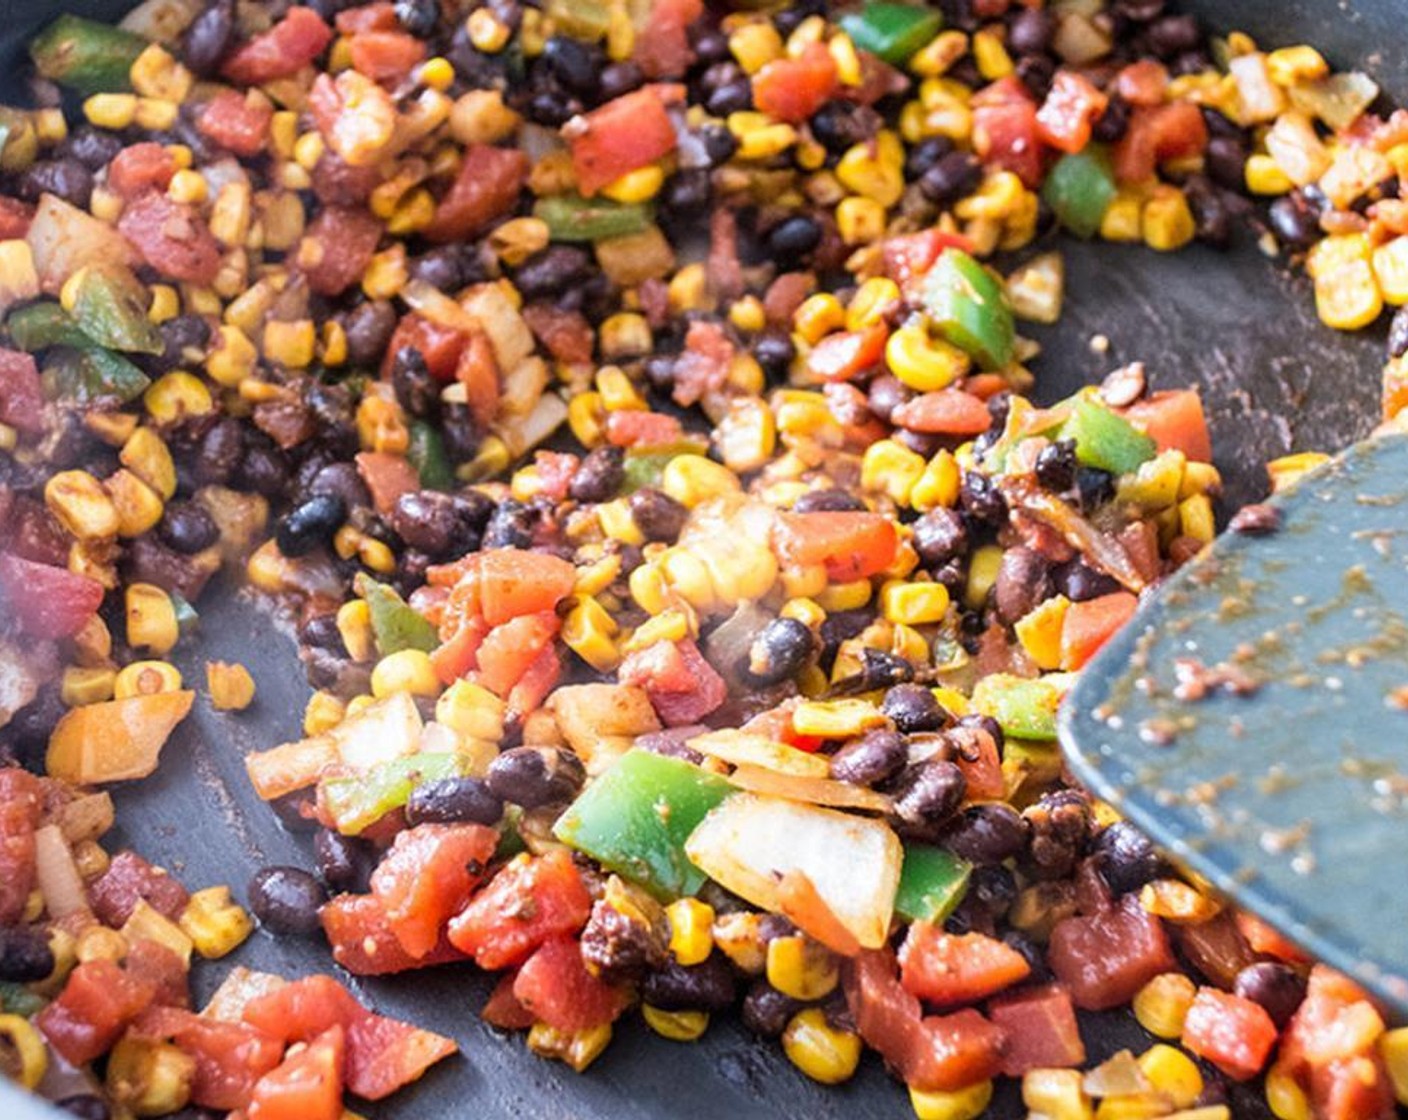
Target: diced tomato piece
[[171, 237], [478, 371], [1041, 1027], [1233, 1033], [158, 966], [566, 334], [236, 122], [359, 121], [380, 16], [46, 601], [1156, 134], [514, 582], [1069, 112], [363, 943], [703, 366], [723, 271], [1105, 957], [683, 687], [385, 56], [142, 167], [556, 987], [338, 245], [1335, 1022], [637, 428], [287, 47], [15, 217], [951, 968], [949, 412], [1004, 130], [1263, 938], [230, 1057], [910, 255], [302, 1009], [532, 688], [509, 649], [458, 654], [387, 477], [21, 391], [306, 1085], [129, 879], [847, 354], [1353, 1089], [528, 901], [662, 47], [486, 188], [336, 182], [1143, 83], [1174, 420], [623, 135], [97, 1004], [427, 877], [981, 766], [503, 1010], [20, 807], [851, 545], [1090, 624], [439, 345], [384, 1055], [792, 89]]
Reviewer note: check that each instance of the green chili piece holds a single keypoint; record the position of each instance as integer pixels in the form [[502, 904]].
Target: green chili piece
[[395, 626], [427, 454], [892, 31], [969, 306], [1080, 189], [570, 218], [110, 307], [932, 883], [85, 55], [1107, 440]]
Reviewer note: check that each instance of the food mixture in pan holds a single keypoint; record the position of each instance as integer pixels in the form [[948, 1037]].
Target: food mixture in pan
[[627, 402]]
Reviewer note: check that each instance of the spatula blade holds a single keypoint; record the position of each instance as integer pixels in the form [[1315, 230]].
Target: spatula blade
[[1291, 798]]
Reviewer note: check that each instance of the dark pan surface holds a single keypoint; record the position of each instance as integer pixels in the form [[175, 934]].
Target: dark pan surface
[[1237, 324]]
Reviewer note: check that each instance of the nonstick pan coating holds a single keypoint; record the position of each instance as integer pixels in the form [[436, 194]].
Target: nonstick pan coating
[[1237, 324]]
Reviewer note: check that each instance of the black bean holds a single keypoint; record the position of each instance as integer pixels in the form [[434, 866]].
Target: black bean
[[534, 776], [65, 177], [458, 431], [454, 801], [987, 833], [475, 509], [1127, 858], [922, 156], [550, 272], [91, 147], [264, 468], [1138, 11], [719, 143], [1279, 988], [1094, 487], [774, 351], [187, 527], [1190, 62], [344, 862], [184, 339], [207, 40], [320, 631], [1294, 222], [875, 757], [985, 724], [418, 16], [1226, 161], [732, 96], [415, 389], [619, 78], [709, 43], [1171, 35], [766, 1011], [708, 986], [885, 394], [952, 178], [981, 499], [86, 1106], [552, 107], [286, 900], [1398, 333], [780, 650], [791, 240], [912, 708], [1058, 824], [1056, 466], [447, 267], [511, 525], [940, 536], [620, 946], [1023, 583], [687, 193], [574, 64], [1078, 581], [368, 327], [657, 515], [992, 889], [1030, 31], [1036, 72], [24, 954], [1031, 953], [927, 795], [428, 521], [309, 524], [840, 125], [1113, 123], [343, 480], [1212, 219], [820, 501]]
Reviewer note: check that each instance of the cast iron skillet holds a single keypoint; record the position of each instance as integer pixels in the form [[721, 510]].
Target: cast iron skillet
[[1240, 326]]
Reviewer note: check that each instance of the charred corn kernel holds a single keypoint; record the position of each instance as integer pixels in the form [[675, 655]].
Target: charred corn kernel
[[1178, 902], [617, 523], [962, 1104], [98, 943], [754, 45], [332, 343], [872, 302], [874, 169], [387, 274], [586, 417], [1290, 66], [1173, 1074], [486, 31], [231, 687], [746, 435], [692, 479], [1122, 220], [923, 362], [801, 968], [844, 596], [1286, 470], [677, 1026], [354, 625], [578, 1049], [938, 485], [821, 1051], [78, 500], [914, 604], [934, 58], [617, 392], [1199, 478], [590, 632], [1056, 1093], [1287, 1100], [148, 1077], [1264, 176], [114, 111], [1195, 518], [1390, 262], [151, 618], [175, 396], [155, 73], [739, 937], [836, 719], [406, 670], [640, 185], [982, 574], [689, 289], [518, 239], [891, 468], [1167, 222], [230, 213], [215, 923], [323, 712], [138, 506], [860, 220], [146, 678], [623, 335], [691, 930], [990, 53], [472, 710], [290, 343], [80, 685], [92, 645], [28, 1057], [1039, 632], [166, 303], [413, 213], [764, 141]]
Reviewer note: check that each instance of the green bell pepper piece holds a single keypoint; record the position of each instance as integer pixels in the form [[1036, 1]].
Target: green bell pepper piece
[[969, 306], [1080, 189], [91, 374], [37, 326], [635, 818], [581, 19], [1106, 440], [110, 307], [570, 218], [395, 626], [16, 999], [427, 454], [358, 801], [892, 31], [932, 883], [87, 56], [1026, 709]]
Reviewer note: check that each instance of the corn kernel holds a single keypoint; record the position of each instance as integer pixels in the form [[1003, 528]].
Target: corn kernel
[[290, 343], [138, 506], [177, 395], [934, 58], [891, 468], [1288, 469], [148, 1077], [677, 1026], [354, 625], [25, 1050], [874, 299], [821, 1051], [1123, 218], [486, 31], [1056, 1093], [99, 943], [991, 55], [114, 111], [1390, 263], [914, 604], [766, 141], [844, 596], [1195, 518], [578, 1049], [1167, 220], [323, 712], [817, 316], [406, 670], [81, 505], [1039, 632], [231, 686], [691, 930], [1265, 177], [146, 678], [50, 126], [215, 923], [589, 631], [836, 719], [617, 392], [982, 575], [689, 290], [1291, 66], [387, 273], [801, 968], [81, 686], [938, 486], [1173, 1074], [1287, 1100], [860, 220], [962, 1104], [19, 280], [754, 45], [693, 479], [923, 362], [874, 169], [618, 524], [640, 185], [151, 618]]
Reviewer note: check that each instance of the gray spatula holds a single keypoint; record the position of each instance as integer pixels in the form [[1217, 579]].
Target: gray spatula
[[1286, 783]]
